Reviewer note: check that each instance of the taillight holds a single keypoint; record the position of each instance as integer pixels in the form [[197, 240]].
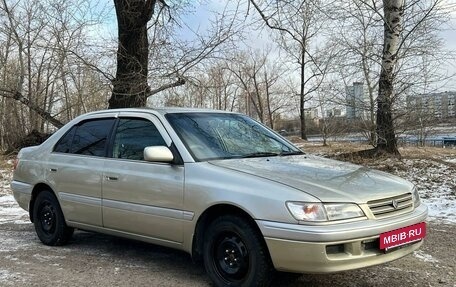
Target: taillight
[[16, 162]]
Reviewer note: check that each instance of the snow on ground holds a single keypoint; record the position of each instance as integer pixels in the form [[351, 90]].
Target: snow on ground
[[9, 209], [450, 160], [424, 257], [8, 278], [436, 183], [11, 212], [5, 177]]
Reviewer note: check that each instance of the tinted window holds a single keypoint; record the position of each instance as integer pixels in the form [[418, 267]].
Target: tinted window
[[64, 144], [132, 136], [91, 137]]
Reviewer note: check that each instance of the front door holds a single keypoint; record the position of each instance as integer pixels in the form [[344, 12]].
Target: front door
[[142, 197]]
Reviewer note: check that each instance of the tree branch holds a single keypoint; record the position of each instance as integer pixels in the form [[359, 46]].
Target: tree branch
[[274, 27], [40, 111], [180, 81]]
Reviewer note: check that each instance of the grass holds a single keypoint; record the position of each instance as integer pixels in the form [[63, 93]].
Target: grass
[[346, 147]]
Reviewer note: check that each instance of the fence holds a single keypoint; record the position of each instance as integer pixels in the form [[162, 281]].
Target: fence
[[445, 142]]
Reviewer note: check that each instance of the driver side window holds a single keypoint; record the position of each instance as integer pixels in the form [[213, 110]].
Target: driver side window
[[132, 136]]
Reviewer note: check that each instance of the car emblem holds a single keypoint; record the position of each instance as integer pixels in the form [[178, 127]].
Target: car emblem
[[395, 204]]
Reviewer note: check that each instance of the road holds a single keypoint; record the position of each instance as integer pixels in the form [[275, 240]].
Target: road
[[92, 259]]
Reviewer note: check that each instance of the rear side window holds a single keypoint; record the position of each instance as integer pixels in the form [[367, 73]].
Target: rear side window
[[87, 138], [132, 136], [64, 144]]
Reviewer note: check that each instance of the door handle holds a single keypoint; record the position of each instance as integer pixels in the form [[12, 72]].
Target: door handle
[[53, 169], [111, 178]]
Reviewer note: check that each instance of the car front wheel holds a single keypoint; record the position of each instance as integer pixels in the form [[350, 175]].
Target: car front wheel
[[49, 222], [235, 255]]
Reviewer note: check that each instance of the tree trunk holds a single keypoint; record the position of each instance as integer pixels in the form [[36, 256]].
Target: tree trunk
[[302, 115], [130, 87], [268, 101], [386, 137]]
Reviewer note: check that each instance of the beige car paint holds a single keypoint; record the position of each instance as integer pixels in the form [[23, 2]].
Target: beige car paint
[[77, 180]]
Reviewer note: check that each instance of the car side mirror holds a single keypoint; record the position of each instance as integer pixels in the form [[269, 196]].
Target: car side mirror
[[158, 154]]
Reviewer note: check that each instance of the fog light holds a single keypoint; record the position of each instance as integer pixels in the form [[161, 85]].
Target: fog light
[[335, 249]]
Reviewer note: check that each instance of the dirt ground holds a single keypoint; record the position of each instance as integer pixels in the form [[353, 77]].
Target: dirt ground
[[92, 259]]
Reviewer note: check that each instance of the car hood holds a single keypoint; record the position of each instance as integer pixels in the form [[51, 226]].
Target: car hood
[[328, 180]]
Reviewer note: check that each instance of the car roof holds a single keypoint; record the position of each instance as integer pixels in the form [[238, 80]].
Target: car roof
[[163, 110]]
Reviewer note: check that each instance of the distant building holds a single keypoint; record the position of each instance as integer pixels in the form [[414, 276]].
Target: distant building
[[440, 105], [355, 101], [311, 113], [333, 113]]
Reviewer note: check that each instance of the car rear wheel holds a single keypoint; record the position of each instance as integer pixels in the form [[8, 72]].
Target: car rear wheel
[[235, 255], [49, 222]]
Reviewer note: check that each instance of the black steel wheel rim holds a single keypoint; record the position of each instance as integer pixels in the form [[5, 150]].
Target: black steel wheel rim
[[230, 257], [47, 217]]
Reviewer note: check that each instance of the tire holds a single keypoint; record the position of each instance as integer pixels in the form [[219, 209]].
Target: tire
[[234, 253], [49, 222]]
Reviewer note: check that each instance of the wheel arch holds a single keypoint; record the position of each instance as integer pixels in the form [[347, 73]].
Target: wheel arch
[[37, 189], [208, 216]]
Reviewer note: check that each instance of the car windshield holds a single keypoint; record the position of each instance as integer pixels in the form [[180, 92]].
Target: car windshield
[[211, 136]]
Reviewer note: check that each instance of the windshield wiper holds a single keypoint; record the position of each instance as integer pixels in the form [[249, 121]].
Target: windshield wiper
[[260, 154], [291, 153]]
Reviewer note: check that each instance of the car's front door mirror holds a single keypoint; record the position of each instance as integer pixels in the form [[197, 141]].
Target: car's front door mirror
[[158, 154]]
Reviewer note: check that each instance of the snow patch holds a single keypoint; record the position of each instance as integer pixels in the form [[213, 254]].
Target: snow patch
[[10, 212], [47, 258], [450, 160], [12, 258], [5, 179], [424, 257], [393, 268], [116, 270], [6, 277], [10, 244], [436, 184]]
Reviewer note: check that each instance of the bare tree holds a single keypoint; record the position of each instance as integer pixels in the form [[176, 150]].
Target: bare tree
[[356, 31], [410, 30], [139, 19], [297, 23], [210, 85], [130, 87], [39, 83], [396, 40], [264, 94], [250, 82], [393, 17]]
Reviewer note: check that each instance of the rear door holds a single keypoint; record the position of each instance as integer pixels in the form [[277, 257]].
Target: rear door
[[142, 197], [75, 169]]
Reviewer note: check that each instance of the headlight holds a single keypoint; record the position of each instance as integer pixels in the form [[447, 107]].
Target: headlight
[[319, 212], [416, 197], [307, 211], [343, 211]]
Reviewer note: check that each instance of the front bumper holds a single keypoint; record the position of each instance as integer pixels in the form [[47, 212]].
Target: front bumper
[[335, 247]]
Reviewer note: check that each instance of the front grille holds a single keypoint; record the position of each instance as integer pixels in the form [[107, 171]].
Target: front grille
[[391, 206]]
